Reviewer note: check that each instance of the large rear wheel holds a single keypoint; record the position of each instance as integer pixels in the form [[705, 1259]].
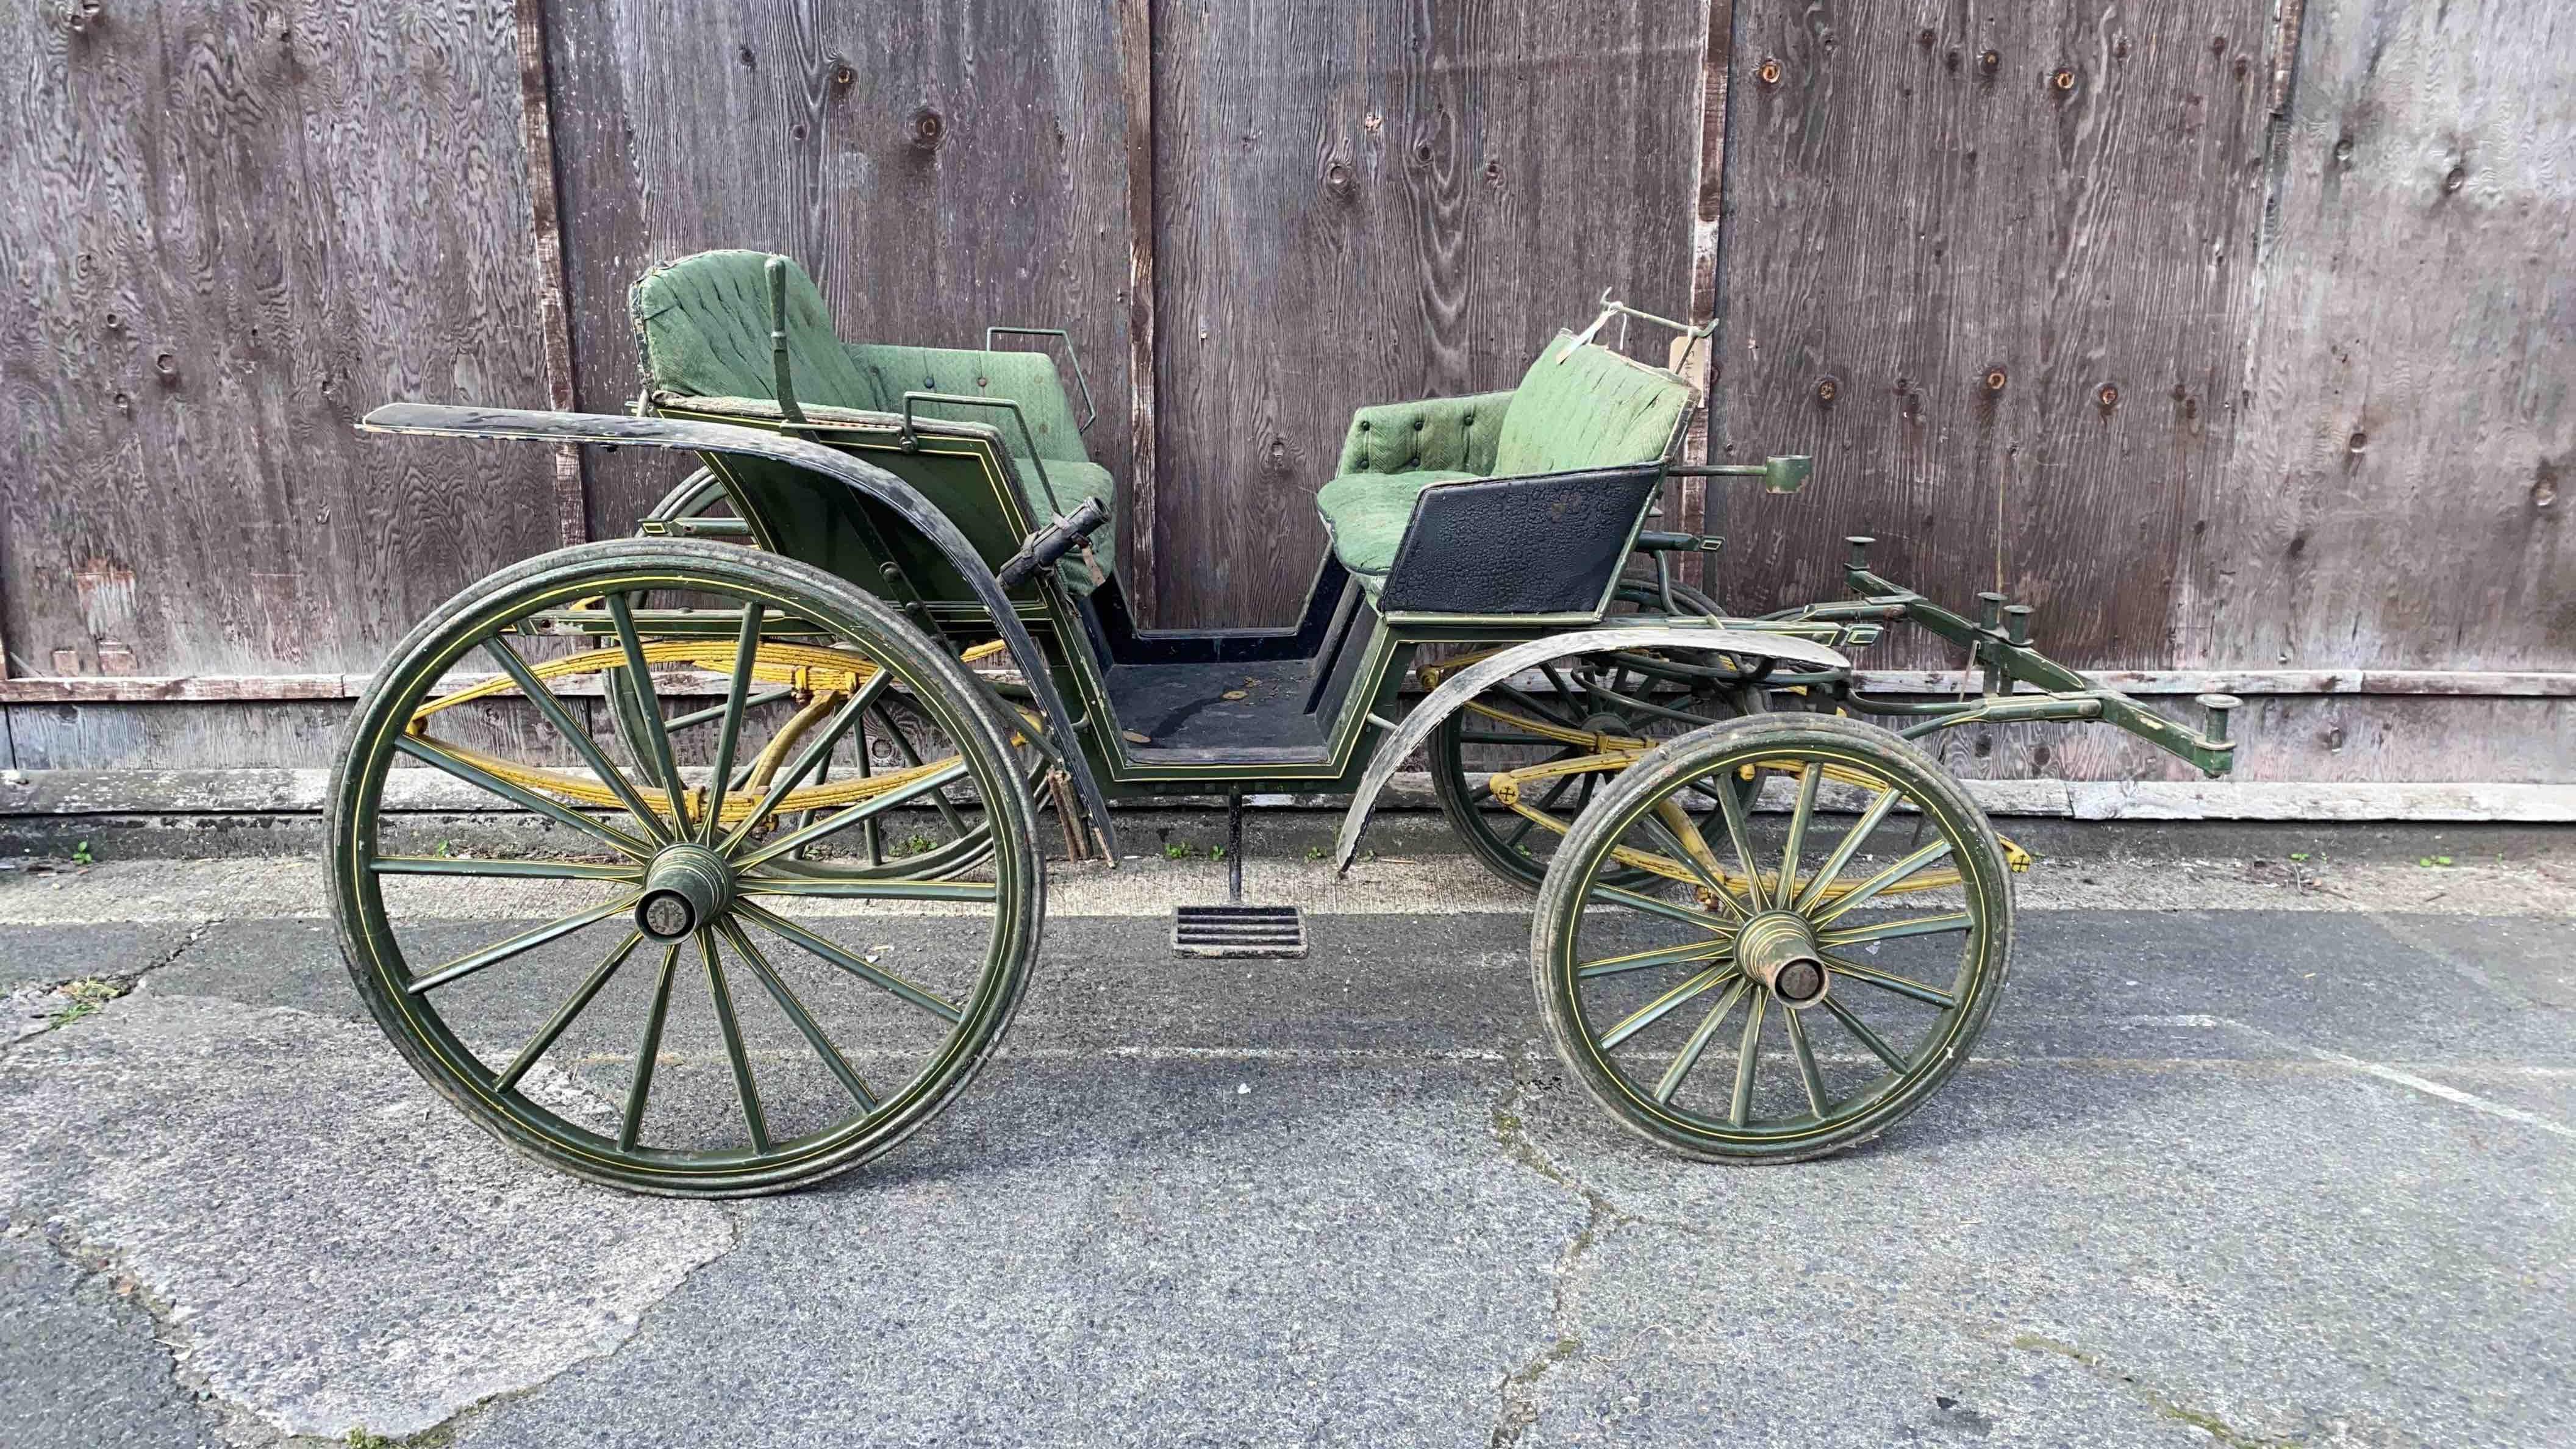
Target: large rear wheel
[[756, 936]]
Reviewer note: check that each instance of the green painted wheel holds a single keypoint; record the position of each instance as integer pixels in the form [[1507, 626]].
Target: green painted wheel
[[1793, 981], [1508, 728], [760, 946]]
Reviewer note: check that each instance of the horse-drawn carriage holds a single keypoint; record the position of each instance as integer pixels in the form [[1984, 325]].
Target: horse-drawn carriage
[[791, 743]]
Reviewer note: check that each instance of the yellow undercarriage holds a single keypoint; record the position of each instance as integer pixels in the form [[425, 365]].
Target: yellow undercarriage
[[823, 680]]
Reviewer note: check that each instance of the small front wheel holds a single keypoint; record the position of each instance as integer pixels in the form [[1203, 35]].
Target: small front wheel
[[1797, 977]]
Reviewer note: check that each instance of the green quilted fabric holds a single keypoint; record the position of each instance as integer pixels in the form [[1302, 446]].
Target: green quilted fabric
[[1440, 432], [702, 330], [1366, 514], [1596, 409]]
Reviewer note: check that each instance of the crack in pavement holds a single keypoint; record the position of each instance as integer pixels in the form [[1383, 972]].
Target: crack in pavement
[[152, 1130], [45, 1006]]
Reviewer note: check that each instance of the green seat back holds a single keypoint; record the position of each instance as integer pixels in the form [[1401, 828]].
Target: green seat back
[[702, 330], [1595, 409], [1027, 378]]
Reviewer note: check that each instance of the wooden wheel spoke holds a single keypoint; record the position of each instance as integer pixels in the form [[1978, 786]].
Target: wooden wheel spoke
[[563, 1017], [1525, 700], [522, 869], [844, 818], [1748, 1053], [1689, 952], [870, 890], [912, 757], [1889, 981], [1669, 910], [575, 734], [1807, 1073], [873, 975], [744, 1088], [803, 1019], [1680, 835], [430, 752], [1890, 930], [1698, 1043], [729, 733], [809, 757], [1852, 1023], [1869, 888], [1808, 779], [1740, 831], [638, 682], [1655, 1010], [1848, 847], [519, 945], [648, 1050], [717, 711]]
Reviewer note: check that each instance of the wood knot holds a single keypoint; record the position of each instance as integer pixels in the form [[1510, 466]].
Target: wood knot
[[1995, 379], [2064, 78], [2108, 396], [928, 129], [1768, 72]]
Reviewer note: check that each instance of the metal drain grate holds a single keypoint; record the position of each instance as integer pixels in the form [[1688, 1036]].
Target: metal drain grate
[[1238, 930]]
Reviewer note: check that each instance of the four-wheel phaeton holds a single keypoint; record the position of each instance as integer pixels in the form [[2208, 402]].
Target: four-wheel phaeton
[[786, 750]]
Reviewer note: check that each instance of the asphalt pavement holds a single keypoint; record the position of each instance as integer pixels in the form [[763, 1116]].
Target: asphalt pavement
[[2247, 1156]]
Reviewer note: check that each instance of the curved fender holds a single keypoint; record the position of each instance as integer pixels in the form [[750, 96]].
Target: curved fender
[[430, 420], [1467, 683]]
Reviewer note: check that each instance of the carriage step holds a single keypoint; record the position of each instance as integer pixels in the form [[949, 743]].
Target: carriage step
[[1237, 930]]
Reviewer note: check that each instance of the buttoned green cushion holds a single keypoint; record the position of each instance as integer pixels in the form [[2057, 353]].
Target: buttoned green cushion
[[702, 330], [1594, 409], [1366, 514]]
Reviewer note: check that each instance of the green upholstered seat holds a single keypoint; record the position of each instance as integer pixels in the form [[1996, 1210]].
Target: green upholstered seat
[[702, 331], [1367, 513], [1594, 409]]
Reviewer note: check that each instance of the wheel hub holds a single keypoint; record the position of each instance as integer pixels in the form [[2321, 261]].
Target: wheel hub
[[1779, 950], [686, 888]]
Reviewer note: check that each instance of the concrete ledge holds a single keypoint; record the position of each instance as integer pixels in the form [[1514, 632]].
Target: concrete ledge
[[60, 793]]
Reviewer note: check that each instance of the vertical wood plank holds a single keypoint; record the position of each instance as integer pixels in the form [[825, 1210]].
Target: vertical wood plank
[[1139, 544], [2399, 496], [232, 230], [1365, 202], [1991, 265], [936, 166], [537, 143], [1708, 232]]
